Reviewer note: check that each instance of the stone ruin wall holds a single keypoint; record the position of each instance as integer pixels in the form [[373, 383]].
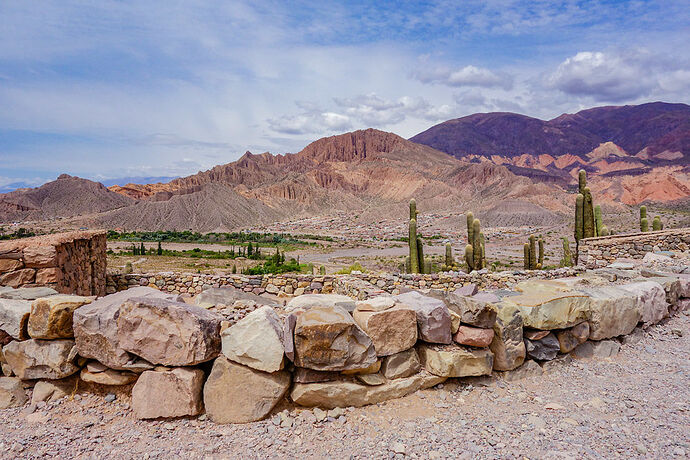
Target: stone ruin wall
[[70, 263], [358, 286], [603, 250]]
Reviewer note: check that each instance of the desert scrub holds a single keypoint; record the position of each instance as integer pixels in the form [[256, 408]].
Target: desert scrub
[[356, 267]]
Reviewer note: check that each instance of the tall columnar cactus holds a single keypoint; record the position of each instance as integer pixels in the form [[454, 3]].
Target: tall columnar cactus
[[540, 263], [475, 253], [597, 220], [412, 239], [567, 260], [477, 245], [579, 211], [532, 252], [449, 256], [644, 224], [604, 231], [588, 214], [470, 221], [581, 181], [469, 256], [420, 255], [643, 215], [656, 224], [526, 260], [482, 240], [413, 209]]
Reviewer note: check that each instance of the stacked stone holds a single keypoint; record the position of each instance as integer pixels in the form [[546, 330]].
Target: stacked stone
[[72, 262]]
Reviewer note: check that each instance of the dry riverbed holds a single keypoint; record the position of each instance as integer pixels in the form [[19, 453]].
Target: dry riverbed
[[635, 404]]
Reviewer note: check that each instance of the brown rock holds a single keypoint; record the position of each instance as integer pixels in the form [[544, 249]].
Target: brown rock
[[8, 265], [534, 334], [392, 330], [401, 365], [42, 359], [173, 393], [18, 277], [507, 345], [433, 317], [303, 375], [371, 379], [568, 339], [474, 336], [456, 361], [51, 317], [95, 327], [12, 393], [234, 393], [373, 369], [472, 311], [170, 333], [48, 275], [52, 390], [40, 256], [14, 317], [328, 339], [108, 377]]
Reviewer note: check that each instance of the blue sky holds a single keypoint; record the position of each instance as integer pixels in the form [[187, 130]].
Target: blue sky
[[164, 88]]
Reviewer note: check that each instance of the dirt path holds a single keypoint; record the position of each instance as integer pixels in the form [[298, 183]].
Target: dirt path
[[636, 404]]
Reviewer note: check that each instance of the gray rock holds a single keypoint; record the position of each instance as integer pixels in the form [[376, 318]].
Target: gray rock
[[12, 393], [433, 317], [401, 365], [307, 301], [544, 349], [227, 296], [173, 393], [472, 310], [14, 317], [256, 341], [42, 359], [27, 293], [651, 301]]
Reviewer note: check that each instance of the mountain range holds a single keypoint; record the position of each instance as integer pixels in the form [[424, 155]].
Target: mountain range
[[514, 169]]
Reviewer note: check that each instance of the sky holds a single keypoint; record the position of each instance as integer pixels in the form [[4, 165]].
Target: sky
[[123, 89]]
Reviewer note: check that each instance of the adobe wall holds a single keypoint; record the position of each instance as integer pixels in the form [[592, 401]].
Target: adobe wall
[[601, 251], [71, 263]]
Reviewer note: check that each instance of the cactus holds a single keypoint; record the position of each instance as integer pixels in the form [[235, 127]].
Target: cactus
[[581, 181], [540, 264], [526, 256], [470, 221], [644, 225], [469, 256], [449, 256], [482, 240], [566, 261], [656, 224], [588, 215], [604, 231], [476, 245], [579, 208], [532, 252], [413, 209], [322, 270], [427, 266], [407, 264], [597, 220], [414, 261], [420, 255], [643, 215]]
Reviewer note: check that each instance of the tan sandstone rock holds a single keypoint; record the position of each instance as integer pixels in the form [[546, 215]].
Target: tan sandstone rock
[[401, 365], [14, 317], [474, 312], [173, 393], [344, 393], [95, 327], [40, 256], [651, 301], [305, 302], [51, 317], [379, 303], [433, 317], [108, 377], [455, 360], [42, 359], [18, 277], [234, 393], [392, 330], [613, 312], [12, 393], [549, 305], [52, 390], [568, 339], [166, 332], [256, 341], [507, 345], [328, 339]]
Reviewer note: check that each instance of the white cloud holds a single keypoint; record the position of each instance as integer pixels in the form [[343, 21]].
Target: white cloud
[[466, 76], [310, 122], [375, 111]]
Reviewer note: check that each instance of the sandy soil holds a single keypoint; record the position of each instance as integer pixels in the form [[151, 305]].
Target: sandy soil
[[633, 405]]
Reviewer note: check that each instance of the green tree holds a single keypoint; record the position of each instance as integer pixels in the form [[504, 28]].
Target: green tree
[[159, 251], [250, 249]]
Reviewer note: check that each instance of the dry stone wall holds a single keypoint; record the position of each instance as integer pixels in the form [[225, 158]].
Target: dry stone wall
[[603, 250], [71, 263]]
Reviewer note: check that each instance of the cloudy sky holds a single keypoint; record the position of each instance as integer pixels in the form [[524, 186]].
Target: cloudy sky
[[114, 89]]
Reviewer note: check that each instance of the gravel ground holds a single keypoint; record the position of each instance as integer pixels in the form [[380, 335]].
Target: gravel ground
[[636, 404]]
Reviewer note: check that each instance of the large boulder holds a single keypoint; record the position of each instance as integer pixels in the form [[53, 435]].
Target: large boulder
[[256, 341], [42, 359], [27, 293], [568, 339], [227, 296], [51, 317], [455, 360], [473, 336], [392, 330], [672, 285], [12, 393], [472, 310], [95, 327], [347, 392], [549, 305], [328, 339], [401, 365], [170, 393], [651, 301], [14, 317], [544, 349], [167, 332], [507, 345], [234, 393], [433, 317], [378, 303], [613, 312], [307, 301]]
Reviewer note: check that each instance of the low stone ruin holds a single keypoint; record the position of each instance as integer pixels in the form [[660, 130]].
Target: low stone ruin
[[71, 263], [235, 355]]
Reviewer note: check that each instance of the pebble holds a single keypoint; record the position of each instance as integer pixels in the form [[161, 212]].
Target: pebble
[[110, 397]]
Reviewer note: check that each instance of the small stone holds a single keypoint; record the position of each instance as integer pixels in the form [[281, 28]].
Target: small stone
[[110, 397]]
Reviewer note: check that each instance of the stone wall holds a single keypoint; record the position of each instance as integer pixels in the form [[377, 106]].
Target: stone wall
[[601, 251], [71, 263], [359, 286]]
